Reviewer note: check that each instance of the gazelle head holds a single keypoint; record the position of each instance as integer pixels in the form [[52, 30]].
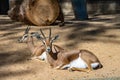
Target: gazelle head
[[28, 35], [47, 41]]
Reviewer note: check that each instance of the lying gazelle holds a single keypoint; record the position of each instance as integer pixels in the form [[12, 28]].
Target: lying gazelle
[[38, 52], [74, 60]]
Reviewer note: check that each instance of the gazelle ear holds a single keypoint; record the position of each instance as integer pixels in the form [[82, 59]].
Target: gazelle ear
[[54, 38], [36, 34]]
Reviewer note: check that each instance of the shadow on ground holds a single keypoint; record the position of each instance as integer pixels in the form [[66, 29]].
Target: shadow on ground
[[93, 30], [100, 30], [11, 57]]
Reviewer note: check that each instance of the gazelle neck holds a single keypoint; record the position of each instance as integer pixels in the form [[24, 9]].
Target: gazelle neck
[[52, 57], [30, 44]]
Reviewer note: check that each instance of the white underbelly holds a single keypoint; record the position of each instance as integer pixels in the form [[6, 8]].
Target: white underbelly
[[79, 63], [43, 56]]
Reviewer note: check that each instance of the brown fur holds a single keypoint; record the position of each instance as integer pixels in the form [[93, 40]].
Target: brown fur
[[62, 58], [65, 57], [37, 50]]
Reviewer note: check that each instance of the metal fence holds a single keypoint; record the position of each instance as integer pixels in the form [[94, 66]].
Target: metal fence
[[95, 6]]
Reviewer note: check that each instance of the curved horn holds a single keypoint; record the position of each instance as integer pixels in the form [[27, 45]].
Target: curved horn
[[42, 33], [49, 33]]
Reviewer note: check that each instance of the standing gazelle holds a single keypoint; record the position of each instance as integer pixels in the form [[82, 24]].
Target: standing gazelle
[[78, 60], [38, 52]]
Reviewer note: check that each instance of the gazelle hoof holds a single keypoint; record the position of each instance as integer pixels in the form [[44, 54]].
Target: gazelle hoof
[[88, 71], [70, 70]]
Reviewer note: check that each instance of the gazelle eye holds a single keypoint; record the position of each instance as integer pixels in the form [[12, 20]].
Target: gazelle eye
[[25, 36]]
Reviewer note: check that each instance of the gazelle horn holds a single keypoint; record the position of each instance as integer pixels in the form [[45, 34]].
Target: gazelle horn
[[27, 29], [42, 33], [49, 33]]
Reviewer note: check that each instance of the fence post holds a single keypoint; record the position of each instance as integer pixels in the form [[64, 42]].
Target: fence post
[[80, 10]]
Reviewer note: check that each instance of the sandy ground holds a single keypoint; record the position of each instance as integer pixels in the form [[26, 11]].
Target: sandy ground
[[100, 35]]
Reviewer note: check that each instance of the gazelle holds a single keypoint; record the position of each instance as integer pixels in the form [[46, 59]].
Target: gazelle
[[74, 60], [38, 52]]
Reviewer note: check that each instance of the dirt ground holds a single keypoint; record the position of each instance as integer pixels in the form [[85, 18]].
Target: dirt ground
[[100, 35]]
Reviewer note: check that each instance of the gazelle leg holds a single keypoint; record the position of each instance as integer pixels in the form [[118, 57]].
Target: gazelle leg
[[59, 67], [79, 69], [89, 67]]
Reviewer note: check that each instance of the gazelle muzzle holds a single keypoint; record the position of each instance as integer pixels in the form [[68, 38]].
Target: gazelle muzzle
[[48, 49]]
